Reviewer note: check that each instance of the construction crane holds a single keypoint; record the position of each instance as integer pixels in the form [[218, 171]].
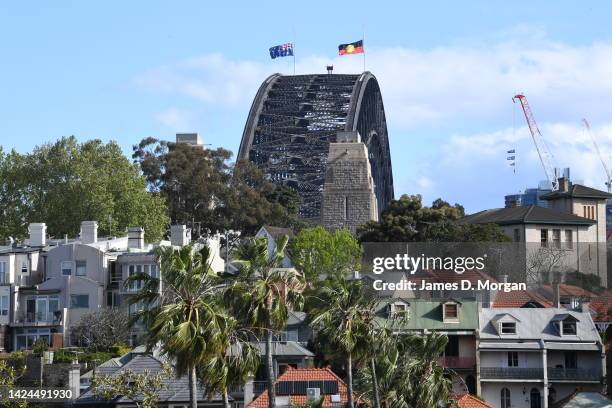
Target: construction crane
[[546, 158], [587, 126]]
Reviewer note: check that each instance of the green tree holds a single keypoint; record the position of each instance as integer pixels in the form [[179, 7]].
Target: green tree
[[319, 253], [407, 220], [66, 182], [11, 370], [202, 186], [183, 312], [408, 373], [344, 318], [140, 388], [231, 368], [263, 294]]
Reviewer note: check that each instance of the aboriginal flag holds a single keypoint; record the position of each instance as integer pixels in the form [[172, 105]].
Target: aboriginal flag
[[352, 48]]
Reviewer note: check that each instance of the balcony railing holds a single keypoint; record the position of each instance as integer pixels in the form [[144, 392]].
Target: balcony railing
[[39, 317], [511, 373], [457, 362], [574, 374], [259, 387]]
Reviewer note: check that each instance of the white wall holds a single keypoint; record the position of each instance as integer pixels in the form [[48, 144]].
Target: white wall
[[491, 392]]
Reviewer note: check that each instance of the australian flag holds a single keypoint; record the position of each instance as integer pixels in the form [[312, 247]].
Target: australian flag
[[285, 50]]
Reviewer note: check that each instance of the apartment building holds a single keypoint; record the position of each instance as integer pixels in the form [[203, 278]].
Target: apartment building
[[49, 287], [533, 357], [21, 267]]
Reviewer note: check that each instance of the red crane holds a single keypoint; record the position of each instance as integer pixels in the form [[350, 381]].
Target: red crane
[[546, 158]]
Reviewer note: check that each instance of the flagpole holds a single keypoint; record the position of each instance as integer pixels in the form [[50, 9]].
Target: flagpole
[[293, 50], [364, 50]]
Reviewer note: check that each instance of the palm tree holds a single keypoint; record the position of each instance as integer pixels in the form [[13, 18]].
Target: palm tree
[[263, 294], [232, 367], [183, 311], [345, 318]]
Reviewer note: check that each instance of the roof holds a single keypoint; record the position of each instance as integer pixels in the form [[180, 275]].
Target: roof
[[470, 401], [278, 232], [520, 298], [537, 324], [285, 348], [175, 390], [306, 374], [584, 400], [602, 307], [576, 191], [532, 214], [427, 314]]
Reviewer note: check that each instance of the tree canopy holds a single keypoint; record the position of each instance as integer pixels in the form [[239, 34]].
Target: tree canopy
[[66, 182], [408, 220], [201, 185]]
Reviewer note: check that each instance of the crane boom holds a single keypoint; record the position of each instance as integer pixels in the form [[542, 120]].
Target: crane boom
[[546, 158], [603, 162]]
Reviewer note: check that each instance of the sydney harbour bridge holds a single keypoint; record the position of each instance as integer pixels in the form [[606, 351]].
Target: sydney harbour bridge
[[293, 119]]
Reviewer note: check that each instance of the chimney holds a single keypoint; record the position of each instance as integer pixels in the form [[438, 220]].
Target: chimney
[[74, 379], [38, 234], [556, 295], [564, 184], [89, 232], [136, 238], [179, 235]]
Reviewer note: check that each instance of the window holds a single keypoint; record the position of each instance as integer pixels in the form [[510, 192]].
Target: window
[[513, 359], [113, 299], [399, 309], [4, 305], [508, 328], [81, 268], [505, 398], [3, 273], [557, 238], [588, 211], [544, 237], [150, 270], [450, 311], [66, 268], [24, 267], [569, 239], [517, 235], [79, 301], [569, 327]]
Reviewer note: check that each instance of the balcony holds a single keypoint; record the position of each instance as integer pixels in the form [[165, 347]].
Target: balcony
[[574, 374], [457, 362], [511, 373], [38, 319]]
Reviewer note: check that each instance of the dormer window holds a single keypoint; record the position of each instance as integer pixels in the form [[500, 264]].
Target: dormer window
[[507, 327], [450, 312], [569, 328], [399, 309]]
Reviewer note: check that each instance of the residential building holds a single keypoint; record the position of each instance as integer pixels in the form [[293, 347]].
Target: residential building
[[303, 385], [51, 287], [570, 235], [174, 392], [470, 401], [458, 319], [273, 234], [533, 357]]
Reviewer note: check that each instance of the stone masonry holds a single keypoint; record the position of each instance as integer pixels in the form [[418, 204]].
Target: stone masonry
[[349, 199]]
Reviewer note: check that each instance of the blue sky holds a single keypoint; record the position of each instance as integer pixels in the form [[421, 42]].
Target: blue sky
[[126, 70]]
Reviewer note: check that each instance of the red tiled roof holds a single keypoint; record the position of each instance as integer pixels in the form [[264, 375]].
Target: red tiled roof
[[601, 306], [305, 374], [518, 298], [450, 276], [470, 401], [567, 290]]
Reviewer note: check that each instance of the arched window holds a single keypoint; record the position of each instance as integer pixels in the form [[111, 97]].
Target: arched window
[[505, 398], [552, 396], [535, 398]]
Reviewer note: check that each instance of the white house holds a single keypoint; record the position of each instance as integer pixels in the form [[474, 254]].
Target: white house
[[530, 357]]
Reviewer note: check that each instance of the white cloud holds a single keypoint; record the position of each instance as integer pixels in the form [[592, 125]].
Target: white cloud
[[174, 118]]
